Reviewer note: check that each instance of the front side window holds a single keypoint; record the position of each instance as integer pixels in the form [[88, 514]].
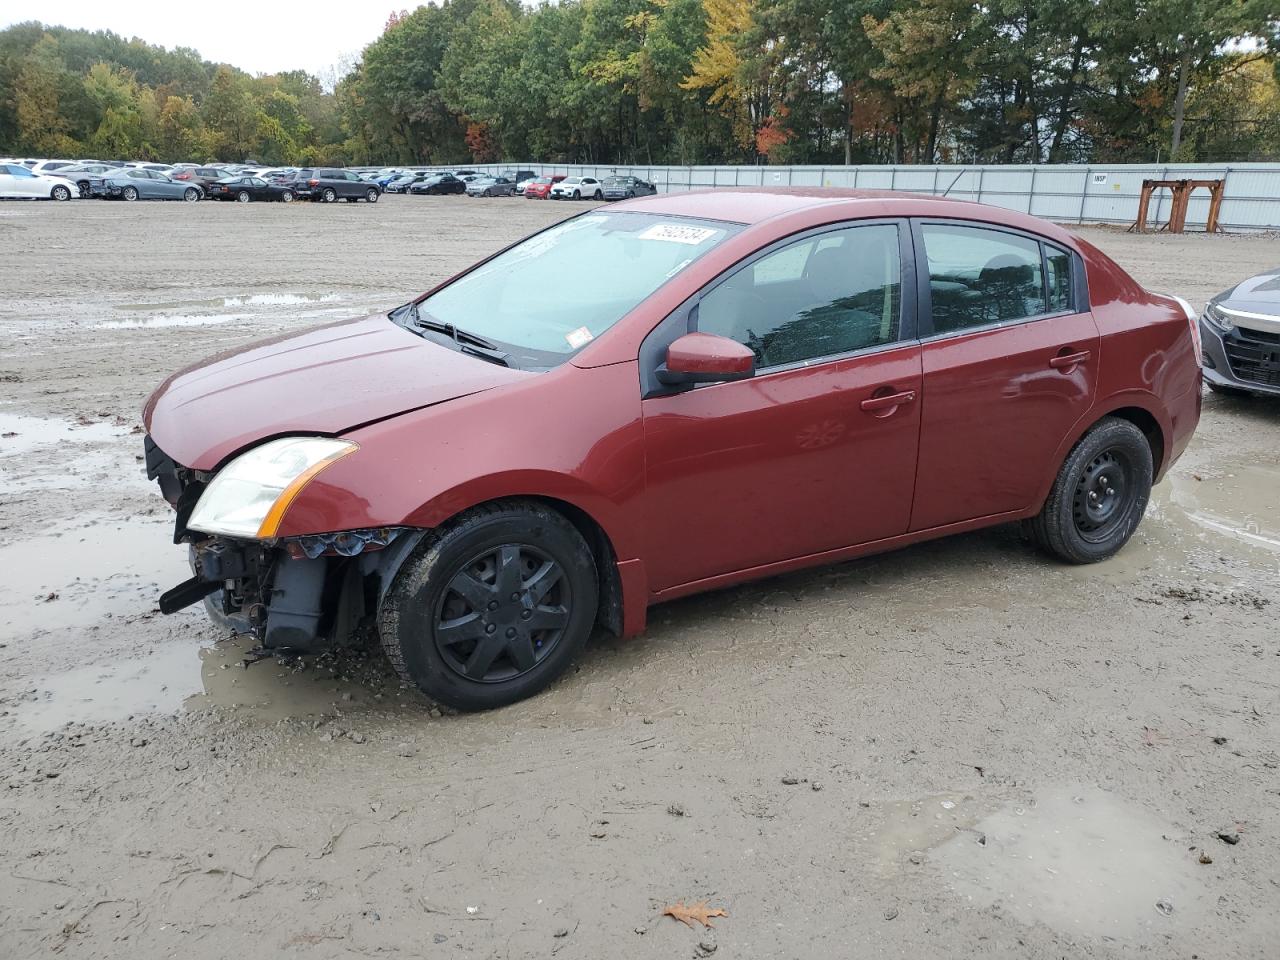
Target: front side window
[[822, 296], [554, 293], [978, 277]]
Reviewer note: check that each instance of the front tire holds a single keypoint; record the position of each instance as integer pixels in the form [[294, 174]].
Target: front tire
[[371, 195], [491, 608], [191, 195], [577, 195], [1099, 495], [60, 193]]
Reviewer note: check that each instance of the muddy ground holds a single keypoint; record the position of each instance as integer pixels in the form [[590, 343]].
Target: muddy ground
[[959, 749]]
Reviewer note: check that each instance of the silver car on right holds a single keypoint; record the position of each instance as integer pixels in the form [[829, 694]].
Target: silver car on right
[[1240, 330]]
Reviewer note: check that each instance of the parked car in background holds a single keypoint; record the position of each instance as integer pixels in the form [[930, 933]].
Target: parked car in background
[[404, 181], [440, 183], [490, 187], [518, 177], [329, 185], [540, 187], [18, 182], [839, 370], [626, 188], [50, 166], [1240, 328], [245, 189], [82, 173], [198, 176], [300, 184], [138, 183], [577, 188]]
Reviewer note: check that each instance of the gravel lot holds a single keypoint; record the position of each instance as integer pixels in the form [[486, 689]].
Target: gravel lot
[[958, 749]]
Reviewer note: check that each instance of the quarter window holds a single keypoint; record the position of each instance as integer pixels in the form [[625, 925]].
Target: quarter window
[[1058, 270], [818, 297], [978, 277]]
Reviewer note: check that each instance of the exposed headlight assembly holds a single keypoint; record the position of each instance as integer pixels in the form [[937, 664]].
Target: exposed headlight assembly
[[249, 496]]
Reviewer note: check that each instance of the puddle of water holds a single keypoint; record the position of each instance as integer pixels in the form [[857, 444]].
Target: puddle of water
[[1241, 504], [279, 299], [186, 677], [1082, 862], [1191, 524], [909, 827], [172, 320], [62, 581], [28, 433]]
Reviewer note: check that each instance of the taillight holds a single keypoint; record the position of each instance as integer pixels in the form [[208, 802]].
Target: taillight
[[313, 183]]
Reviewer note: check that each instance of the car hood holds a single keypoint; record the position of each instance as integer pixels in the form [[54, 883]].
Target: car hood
[[1260, 294], [324, 381]]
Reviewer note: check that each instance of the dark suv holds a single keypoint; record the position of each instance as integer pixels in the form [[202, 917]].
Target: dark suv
[[330, 185]]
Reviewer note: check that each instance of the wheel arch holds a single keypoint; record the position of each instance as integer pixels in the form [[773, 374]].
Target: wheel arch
[[610, 608], [1142, 409]]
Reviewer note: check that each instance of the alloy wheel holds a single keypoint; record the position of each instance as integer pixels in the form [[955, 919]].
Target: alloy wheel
[[502, 613]]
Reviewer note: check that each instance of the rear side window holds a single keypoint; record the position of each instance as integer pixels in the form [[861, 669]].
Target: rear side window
[[1058, 273], [978, 277], [818, 297]]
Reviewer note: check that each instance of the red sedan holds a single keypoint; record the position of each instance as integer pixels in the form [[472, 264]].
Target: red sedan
[[735, 384]]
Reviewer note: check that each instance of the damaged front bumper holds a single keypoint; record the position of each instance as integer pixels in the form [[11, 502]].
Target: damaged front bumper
[[296, 594]]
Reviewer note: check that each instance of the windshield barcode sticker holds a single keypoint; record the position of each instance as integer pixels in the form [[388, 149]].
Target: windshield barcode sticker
[[676, 233], [579, 338]]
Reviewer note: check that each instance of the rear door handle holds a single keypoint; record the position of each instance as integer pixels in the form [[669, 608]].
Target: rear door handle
[[888, 401], [1063, 361]]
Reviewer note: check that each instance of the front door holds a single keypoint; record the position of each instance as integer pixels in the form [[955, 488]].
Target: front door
[[818, 450], [1010, 362]]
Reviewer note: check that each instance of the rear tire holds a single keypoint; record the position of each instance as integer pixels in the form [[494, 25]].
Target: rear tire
[[243, 196], [130, 193], [599, 195], [328, 195], [1099, 495], [461, 619], [287, 197]]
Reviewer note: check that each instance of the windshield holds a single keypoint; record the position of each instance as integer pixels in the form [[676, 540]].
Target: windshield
[[551, 295]]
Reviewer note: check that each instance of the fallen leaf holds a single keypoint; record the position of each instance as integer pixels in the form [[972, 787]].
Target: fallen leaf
[[695, 912]]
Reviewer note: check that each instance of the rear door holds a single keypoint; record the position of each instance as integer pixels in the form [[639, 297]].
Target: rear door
[[817, 451], [1010, 364]]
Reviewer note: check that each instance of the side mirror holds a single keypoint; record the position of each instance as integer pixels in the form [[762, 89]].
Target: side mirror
[[706, 358]]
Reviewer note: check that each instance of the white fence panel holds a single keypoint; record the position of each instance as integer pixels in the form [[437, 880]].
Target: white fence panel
[[1067, 193]]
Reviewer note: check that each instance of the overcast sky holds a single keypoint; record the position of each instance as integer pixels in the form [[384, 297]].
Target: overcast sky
[[259, 38]]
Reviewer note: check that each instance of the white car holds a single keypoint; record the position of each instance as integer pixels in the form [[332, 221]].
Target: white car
[[19, 183], [49, 166], [575, 188]]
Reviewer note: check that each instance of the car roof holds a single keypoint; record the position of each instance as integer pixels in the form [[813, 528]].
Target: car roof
[[754, 205]]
